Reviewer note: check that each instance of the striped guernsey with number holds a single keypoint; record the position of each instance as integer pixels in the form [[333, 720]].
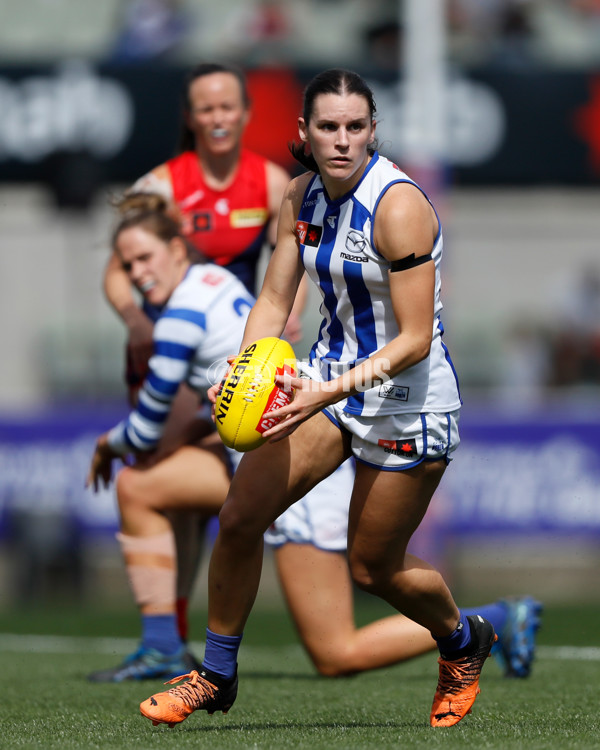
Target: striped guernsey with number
[[201, 324]]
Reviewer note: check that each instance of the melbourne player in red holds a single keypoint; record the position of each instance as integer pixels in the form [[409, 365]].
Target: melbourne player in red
[[228, 197]]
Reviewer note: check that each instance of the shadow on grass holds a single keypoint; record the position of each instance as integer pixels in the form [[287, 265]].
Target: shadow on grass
[[298, 676], [273, 726]]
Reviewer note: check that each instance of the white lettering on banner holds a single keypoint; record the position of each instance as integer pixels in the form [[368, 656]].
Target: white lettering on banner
[[74, 109], [553, 484], [476, 121], [48, 477]]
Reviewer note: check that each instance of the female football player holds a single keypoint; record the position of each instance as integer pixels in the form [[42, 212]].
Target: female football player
[[202, 307], [200, 311], [380, 386]]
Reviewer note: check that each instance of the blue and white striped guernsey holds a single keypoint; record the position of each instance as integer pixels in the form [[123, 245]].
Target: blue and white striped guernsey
[[336, 243], [202, 323]]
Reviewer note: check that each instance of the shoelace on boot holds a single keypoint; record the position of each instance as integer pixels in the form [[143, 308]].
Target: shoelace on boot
[[456, 675], [194, 691]]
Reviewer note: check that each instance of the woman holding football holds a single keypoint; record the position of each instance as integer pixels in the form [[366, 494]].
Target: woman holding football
[[203, 310], [380, 386]]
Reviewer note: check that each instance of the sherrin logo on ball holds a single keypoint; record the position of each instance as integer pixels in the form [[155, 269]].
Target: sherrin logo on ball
[[248, 392]]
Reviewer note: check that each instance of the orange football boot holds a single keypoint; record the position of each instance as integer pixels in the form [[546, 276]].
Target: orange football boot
[[203, 690], [458, 683]]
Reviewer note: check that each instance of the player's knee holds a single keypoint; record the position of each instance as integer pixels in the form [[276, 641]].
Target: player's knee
[[329, 669], [333, 665], [128, 488], [138, 488], [364, 579], [369, 575], [236, 525], [334, 657], [123, 486]]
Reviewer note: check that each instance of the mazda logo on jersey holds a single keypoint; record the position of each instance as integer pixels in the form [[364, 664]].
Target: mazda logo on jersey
[[356, 242], [309, 234]]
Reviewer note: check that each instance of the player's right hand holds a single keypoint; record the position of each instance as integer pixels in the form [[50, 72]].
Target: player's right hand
[[101, 466]]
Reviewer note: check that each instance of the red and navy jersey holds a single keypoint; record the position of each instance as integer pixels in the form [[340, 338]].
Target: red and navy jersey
[[227, 226]]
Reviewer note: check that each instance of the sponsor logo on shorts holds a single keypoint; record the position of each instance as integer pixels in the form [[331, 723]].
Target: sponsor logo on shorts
[[308, 234], [404, 448], [395, 392]]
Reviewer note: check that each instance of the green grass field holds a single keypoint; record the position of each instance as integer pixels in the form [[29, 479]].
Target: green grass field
[[47, 702]]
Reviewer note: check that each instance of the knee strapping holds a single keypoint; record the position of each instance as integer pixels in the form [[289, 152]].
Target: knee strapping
[[151, 568]]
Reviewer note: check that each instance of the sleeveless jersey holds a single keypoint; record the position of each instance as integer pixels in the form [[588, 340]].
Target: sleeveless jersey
[[338, 252], [227, 226], [201, 324]]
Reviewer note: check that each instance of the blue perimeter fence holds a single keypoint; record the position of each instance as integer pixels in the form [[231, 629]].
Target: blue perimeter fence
[[514, 473]]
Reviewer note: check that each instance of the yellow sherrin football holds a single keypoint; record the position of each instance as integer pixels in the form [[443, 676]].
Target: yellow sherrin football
[[248, 391]]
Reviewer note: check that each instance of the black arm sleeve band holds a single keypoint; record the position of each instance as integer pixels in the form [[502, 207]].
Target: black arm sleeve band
[[409, 262]]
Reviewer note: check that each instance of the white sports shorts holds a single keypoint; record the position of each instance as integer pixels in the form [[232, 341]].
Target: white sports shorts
[[393, 442], [320, 518]]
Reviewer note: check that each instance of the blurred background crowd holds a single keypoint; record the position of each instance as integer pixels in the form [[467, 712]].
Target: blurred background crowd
[[90, 100], [515, 33]]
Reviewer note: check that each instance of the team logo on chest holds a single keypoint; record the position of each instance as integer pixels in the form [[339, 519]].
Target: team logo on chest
[[356, 245], [222, 206], [199, 221], [308, 234]]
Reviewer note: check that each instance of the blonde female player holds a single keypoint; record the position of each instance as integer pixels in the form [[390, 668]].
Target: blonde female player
[[380, 386], [201, 310]]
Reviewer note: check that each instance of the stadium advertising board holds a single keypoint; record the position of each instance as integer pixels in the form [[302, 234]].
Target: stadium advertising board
[[528, 473], [126, 120], [533, 473]]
